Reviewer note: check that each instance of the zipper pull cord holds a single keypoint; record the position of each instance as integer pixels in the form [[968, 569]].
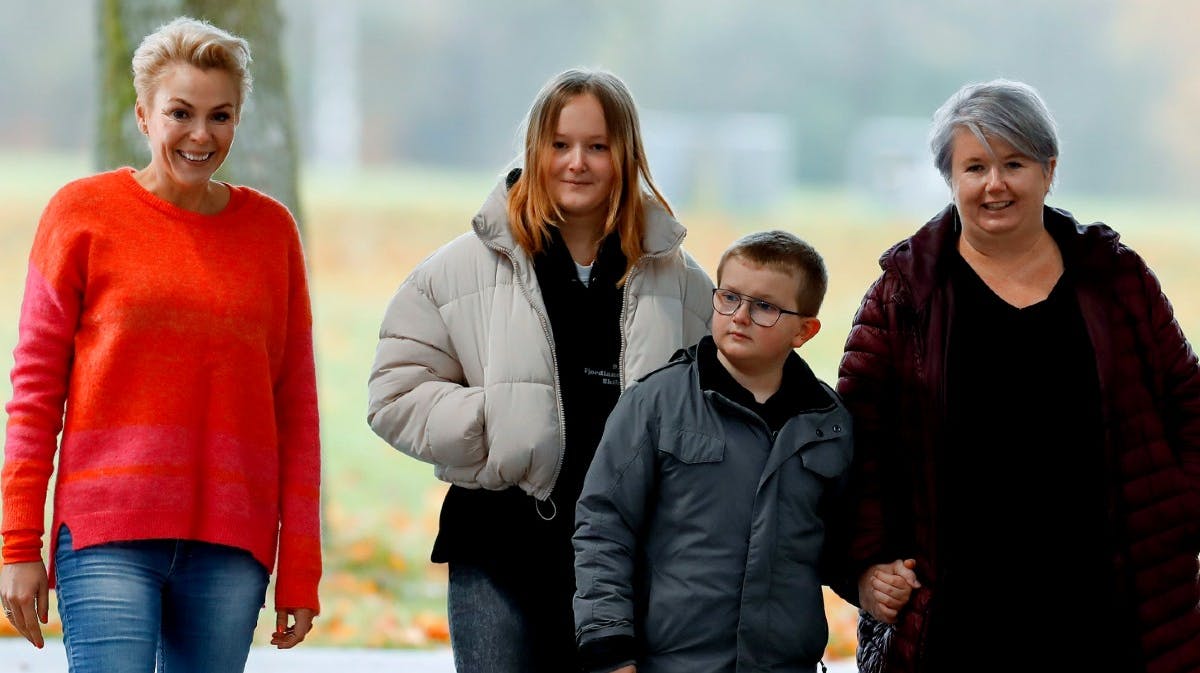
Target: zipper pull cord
[[537, 505]]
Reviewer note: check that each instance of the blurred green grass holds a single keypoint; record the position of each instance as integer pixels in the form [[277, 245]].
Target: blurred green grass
[[365, 230]]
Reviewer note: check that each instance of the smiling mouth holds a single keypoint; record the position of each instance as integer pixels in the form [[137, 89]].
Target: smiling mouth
[[997, 205], [196, 157], [577, 183]]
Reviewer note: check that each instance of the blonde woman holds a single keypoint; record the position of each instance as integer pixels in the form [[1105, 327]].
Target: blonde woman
[[169, 314], [502, 355]]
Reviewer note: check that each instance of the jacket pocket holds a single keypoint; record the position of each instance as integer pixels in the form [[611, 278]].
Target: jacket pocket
[[690, 447], [829, 458]]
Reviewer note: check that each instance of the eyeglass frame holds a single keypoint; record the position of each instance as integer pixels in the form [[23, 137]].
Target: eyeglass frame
[[745, 298]]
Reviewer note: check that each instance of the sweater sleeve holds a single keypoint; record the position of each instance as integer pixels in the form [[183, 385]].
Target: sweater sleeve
[[608, 524], [299, 560], [50, 312]]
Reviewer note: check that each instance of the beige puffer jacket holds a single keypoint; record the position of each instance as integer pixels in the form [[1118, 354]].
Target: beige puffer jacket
[[465, 375]]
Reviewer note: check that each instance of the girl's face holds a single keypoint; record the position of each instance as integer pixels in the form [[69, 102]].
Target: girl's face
[[581, 167]]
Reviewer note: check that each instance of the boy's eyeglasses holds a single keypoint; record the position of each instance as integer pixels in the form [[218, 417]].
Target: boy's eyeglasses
[[762, 313]]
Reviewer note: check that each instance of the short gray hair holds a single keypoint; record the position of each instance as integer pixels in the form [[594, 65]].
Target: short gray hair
[[1010, 111]]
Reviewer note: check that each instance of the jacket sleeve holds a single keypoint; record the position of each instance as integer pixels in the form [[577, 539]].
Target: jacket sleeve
[[1179, 373], [866, 379], [419, 402], [697, 302], [608, 523], [833, 567]]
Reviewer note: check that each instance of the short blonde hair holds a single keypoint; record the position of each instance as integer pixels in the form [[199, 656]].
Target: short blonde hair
[[531, 207], [194, 42]]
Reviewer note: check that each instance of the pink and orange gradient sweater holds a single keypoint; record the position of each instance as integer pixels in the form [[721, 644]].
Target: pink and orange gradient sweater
[[181, 347]]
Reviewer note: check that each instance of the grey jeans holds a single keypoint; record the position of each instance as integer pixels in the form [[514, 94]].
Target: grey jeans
[[503, 621]]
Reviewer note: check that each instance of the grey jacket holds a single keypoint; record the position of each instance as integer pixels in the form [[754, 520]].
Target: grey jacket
[[700, 533]]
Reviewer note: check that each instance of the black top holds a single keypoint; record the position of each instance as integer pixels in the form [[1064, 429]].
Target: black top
[[1022, 533], [798, 391], [509, 529]]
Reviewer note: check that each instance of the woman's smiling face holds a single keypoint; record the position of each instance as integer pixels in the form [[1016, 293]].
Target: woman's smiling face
[[997, 189], [190, 121]]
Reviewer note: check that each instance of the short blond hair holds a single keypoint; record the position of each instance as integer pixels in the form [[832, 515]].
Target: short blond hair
[[194, 42]]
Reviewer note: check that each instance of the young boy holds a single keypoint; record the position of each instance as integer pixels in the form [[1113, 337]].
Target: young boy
[[701, 528]]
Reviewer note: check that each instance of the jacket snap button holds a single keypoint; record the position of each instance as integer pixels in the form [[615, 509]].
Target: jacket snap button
[[820, 433], [837, 428]]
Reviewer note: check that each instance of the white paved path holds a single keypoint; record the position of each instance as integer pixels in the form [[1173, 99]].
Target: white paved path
[[18, 656]]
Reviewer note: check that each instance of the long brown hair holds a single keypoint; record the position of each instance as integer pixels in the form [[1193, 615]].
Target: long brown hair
[[531, 207]]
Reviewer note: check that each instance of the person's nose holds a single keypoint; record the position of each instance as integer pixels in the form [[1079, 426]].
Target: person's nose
[[741, 314], [199, 132], [575, 162], [995, 181]]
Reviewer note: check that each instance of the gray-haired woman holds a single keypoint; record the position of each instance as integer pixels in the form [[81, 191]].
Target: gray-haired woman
[[1028, 419]]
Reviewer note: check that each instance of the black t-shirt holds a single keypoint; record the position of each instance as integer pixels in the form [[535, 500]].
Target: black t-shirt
[[1023, 540]]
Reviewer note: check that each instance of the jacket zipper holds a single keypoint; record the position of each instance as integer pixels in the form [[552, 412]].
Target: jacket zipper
[[562, 424], [624, 312]]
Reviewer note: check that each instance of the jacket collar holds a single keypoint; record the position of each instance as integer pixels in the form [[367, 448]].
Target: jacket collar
[[607, 268], [801, 391], [663, 233], [922, 259]]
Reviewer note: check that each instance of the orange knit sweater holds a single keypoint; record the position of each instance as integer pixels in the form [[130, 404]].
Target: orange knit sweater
[[181, 346]]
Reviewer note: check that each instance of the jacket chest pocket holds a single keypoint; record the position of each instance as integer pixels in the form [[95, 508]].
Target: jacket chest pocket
[[804, 482], [690, 448], [702, 488], [829, 458]]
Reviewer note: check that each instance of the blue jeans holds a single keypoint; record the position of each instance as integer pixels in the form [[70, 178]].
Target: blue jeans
[[504, 621], [189, 606]]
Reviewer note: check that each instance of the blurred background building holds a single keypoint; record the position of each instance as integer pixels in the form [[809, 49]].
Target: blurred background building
[[742, 100]]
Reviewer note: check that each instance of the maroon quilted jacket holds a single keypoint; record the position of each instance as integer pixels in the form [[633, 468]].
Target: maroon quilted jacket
[[892, 378]]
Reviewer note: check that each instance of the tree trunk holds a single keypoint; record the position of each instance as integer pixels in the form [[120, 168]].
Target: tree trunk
[[264, 155]]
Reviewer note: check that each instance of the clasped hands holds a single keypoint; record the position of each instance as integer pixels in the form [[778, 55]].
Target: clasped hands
[[885, 588]]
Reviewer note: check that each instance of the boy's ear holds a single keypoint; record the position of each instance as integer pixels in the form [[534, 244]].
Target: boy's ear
[[809, 326]]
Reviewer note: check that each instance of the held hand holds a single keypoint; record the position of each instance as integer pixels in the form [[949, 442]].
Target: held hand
[[287, 637], [25, 596], [885, 588]]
